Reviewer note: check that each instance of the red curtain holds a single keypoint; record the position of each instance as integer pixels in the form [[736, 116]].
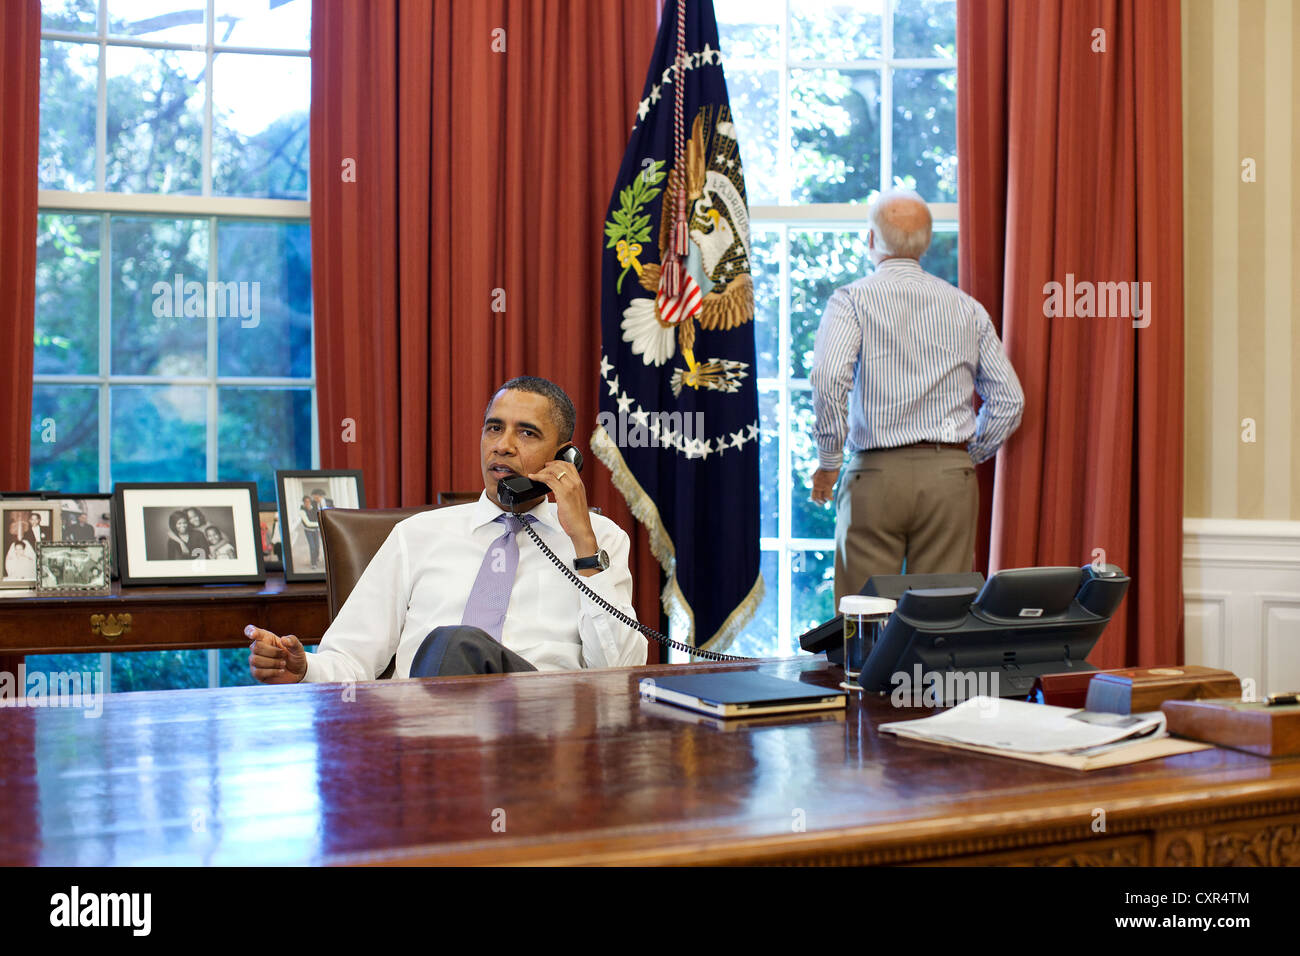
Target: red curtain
[[462, 160], [20, 101], [1070, 165]]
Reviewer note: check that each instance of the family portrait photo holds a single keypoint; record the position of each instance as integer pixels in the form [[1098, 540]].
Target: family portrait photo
[[189, 533], [178, 532], [303, 496]]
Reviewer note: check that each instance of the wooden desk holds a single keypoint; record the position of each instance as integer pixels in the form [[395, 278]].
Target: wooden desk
[[160, 618], [575, 768]]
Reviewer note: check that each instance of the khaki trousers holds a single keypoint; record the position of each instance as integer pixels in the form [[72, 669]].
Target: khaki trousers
[[914, 505]]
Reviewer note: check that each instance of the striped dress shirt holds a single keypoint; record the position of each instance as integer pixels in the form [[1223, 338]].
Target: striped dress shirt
[[905, 352]]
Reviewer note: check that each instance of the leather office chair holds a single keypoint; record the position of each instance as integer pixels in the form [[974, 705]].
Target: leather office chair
[[351, 538], [457, 497]]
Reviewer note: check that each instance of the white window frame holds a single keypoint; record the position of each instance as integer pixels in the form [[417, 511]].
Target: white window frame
[[830, 217], [205, 206]]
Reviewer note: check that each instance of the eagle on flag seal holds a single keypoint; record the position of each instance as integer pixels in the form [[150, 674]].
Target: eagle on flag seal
[[716, 290]]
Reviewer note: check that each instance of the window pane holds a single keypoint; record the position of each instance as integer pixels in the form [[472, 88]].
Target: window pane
[[812, 590], [69, 16], [283, 26], [820, 262], [749, 28], [155, 121], [69, 81], [769, 460], [172, 21], [234, 667], [67, 294], [765, 266], [762, 633], [65, 438], [941, 258], [845, 30], [756, 107], [158, 329], [269, 333], [925, 132], [259, 142], [159, 670], [159, 433], [808, 519], [834, 134], [87, 666], [260, 430], [925, 28]]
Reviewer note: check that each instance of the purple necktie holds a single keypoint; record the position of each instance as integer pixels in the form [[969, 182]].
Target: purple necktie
[[486, 607]]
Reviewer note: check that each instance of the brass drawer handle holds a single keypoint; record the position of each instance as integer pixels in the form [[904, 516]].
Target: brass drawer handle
[[110, 626]]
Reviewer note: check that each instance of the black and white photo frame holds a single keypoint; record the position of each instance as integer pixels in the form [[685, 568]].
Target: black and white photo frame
[[188, 533]]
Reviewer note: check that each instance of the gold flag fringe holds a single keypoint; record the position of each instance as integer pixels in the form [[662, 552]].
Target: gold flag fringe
[[645, 511]]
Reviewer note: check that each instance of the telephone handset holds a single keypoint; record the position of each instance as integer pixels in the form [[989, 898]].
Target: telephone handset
[[517, 488], [520, 488]]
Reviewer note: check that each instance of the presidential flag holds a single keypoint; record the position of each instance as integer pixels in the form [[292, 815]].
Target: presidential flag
[[678, 424]]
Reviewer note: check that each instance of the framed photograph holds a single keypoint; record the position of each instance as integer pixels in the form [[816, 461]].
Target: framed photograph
[[188, 533], [268, 519], [26, 523], [303, 496], [78, 567], [86, 518]]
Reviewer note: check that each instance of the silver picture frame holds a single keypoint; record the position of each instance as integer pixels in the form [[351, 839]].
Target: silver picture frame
[[72, 567]]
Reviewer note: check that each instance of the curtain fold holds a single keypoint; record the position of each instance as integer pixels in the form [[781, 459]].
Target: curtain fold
[[20, 102], [461, 244], [1070, 165]]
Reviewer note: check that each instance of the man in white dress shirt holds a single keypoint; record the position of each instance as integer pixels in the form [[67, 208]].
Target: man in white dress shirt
[[422, 597], [899, 357]]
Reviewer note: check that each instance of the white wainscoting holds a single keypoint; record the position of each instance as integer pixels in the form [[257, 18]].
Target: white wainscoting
[[1241, 599]]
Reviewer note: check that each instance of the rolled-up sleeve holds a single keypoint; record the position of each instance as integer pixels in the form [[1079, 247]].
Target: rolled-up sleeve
[[1003, 400], [607, 641], [835, 356]]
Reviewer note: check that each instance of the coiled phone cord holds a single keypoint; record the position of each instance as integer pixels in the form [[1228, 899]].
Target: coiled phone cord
[[629, 621]]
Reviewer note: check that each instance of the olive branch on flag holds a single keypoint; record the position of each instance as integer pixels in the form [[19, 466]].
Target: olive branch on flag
[[629, 227]]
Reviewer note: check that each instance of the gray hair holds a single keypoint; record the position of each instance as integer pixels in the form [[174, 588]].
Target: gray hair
[[892, 237], [562, 411]]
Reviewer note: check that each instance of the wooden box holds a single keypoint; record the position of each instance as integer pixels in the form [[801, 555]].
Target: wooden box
[[1252, 726], [1137, 690]]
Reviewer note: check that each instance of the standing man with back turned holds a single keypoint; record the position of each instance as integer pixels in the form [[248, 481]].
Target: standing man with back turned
[[902, 352]]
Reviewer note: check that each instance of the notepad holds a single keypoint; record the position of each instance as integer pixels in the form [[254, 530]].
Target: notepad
[[740, 694]]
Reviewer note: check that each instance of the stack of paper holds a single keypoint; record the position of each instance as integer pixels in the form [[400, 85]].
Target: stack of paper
[[1061, 736]]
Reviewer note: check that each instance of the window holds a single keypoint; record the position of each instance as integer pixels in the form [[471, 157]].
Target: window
[[834, 101], [173, 288]]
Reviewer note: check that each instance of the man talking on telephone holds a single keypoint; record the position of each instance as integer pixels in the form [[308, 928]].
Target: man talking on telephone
[[456, 591]]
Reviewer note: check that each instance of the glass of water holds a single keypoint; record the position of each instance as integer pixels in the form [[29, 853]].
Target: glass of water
[[862, 617]]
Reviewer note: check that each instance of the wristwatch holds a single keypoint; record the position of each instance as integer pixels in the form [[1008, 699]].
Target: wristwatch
[[598, 560]]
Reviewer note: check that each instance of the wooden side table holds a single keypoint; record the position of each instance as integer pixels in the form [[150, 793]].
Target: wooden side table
[[159, 618]]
